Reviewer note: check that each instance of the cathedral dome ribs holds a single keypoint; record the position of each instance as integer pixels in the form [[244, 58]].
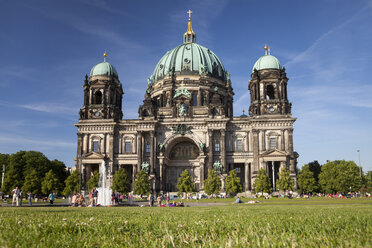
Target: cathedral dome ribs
[[189, 81]]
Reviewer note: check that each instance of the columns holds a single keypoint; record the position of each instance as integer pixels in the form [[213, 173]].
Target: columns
[[246, 176], [273, 170], [139, 150], [255, 150], [210, 150], [223, 151], [199, 98], [201, 186], [152, 147], [247, 142], [85, 143], [80, 144]]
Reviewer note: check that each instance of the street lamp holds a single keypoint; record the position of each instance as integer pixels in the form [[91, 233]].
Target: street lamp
[[359, 162]]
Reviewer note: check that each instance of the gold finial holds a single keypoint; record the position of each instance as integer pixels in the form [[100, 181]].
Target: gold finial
[[104, 56], [189, 12], [189, 35], [243, 111], [265, 49]]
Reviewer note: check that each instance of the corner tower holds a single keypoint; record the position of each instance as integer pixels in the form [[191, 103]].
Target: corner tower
[[268, 87], [102, 93]]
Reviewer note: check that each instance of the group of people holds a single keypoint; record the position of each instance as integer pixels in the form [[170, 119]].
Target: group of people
[[18, 196], [163, 201], [78, 200]]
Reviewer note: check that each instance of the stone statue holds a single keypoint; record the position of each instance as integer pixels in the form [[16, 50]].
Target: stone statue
[[217, 166], [182, 109], [148, 82], [145, 167], [202, 146]]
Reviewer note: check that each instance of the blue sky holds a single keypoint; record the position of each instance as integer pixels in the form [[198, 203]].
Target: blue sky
[[47, 47]]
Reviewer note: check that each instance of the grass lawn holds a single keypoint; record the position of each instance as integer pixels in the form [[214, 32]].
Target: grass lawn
[[317, 222]]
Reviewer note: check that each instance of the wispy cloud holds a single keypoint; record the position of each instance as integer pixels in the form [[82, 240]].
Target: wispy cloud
[[34, 142], [51, 108]]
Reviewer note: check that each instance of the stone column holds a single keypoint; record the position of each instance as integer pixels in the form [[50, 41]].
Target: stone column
[[152, 147], [80, 144], [85, 143], [223, 151], [273, 171], [201, 186], [283, 142], [139, 150], [120, 144], [246, 176], [84, 176], [199, 98], [247, 142], [210, 150]]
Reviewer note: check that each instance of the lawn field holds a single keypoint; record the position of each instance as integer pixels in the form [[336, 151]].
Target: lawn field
[[273, 223]]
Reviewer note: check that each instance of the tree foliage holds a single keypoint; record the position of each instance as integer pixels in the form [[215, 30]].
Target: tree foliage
[[285, 181], [185, 183], [23, 163], [262, 182], [212, 185], [50, 183], [93, 180], [141, 185], [306, 180], [72, 183], [232, 183], [32, 183], [340, 176], [120, 182]]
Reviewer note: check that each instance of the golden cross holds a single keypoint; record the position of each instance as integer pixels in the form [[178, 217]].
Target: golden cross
[[189, 12], [104, 56]]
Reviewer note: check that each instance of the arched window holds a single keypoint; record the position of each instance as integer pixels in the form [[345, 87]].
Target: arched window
[[270, 93], [98, 97]]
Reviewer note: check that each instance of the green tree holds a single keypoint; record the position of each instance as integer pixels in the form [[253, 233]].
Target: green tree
[[72, 183], [120, 182], [306, 181], [212, 185], [14, 172], [185, 183], [50, 183], [32, 183], [93, 180], [285, 181], [262, 182], [232, 183], [340, 176], [141, 185]]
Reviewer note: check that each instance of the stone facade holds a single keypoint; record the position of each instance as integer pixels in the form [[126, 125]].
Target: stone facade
[[186, 122]]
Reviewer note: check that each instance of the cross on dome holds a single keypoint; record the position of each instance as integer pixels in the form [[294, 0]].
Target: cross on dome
[[189, 36], [189, 12]]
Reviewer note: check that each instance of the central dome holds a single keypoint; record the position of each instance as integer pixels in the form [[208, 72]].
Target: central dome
[[189, 59]]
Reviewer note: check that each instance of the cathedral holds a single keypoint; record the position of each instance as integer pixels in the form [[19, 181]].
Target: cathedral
[[186, 121]]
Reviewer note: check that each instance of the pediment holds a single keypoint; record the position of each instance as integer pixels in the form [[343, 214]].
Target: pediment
[[94, 155], [274, 153]]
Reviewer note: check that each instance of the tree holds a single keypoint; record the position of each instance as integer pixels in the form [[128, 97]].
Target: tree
[[50, 183], [32, 183], [285, 181], [340, 176], [232, 184], [262, 182], [212, 185], [306, 181], [141, 184], [120, 182], [93, 180], [185, 183], [72, 183]]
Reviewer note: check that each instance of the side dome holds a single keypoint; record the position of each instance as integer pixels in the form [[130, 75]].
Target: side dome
[[103, 69], [267, 62], [189, 59]]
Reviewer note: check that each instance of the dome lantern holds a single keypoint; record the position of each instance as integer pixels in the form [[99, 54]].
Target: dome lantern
[[189, 36]]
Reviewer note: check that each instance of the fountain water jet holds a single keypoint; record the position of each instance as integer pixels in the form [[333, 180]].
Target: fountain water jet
[[104, 190]]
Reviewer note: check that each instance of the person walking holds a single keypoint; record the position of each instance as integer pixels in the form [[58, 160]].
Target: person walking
[[95, 197], [51, 198], [15, 193], [20, 197], [29, 198], [151, 200]]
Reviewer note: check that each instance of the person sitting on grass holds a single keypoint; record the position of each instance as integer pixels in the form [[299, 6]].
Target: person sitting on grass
[[81, 201], [173, 204], [238, 200]]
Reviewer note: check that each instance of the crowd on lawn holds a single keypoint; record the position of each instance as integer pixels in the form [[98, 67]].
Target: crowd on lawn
[[163, 201], [18, 195]]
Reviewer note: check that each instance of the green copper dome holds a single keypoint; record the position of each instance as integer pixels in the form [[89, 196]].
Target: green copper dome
[[189, 59], [103, 69], [267, 62]]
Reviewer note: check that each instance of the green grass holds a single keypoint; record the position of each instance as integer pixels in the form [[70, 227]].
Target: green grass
[[273, 223]]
